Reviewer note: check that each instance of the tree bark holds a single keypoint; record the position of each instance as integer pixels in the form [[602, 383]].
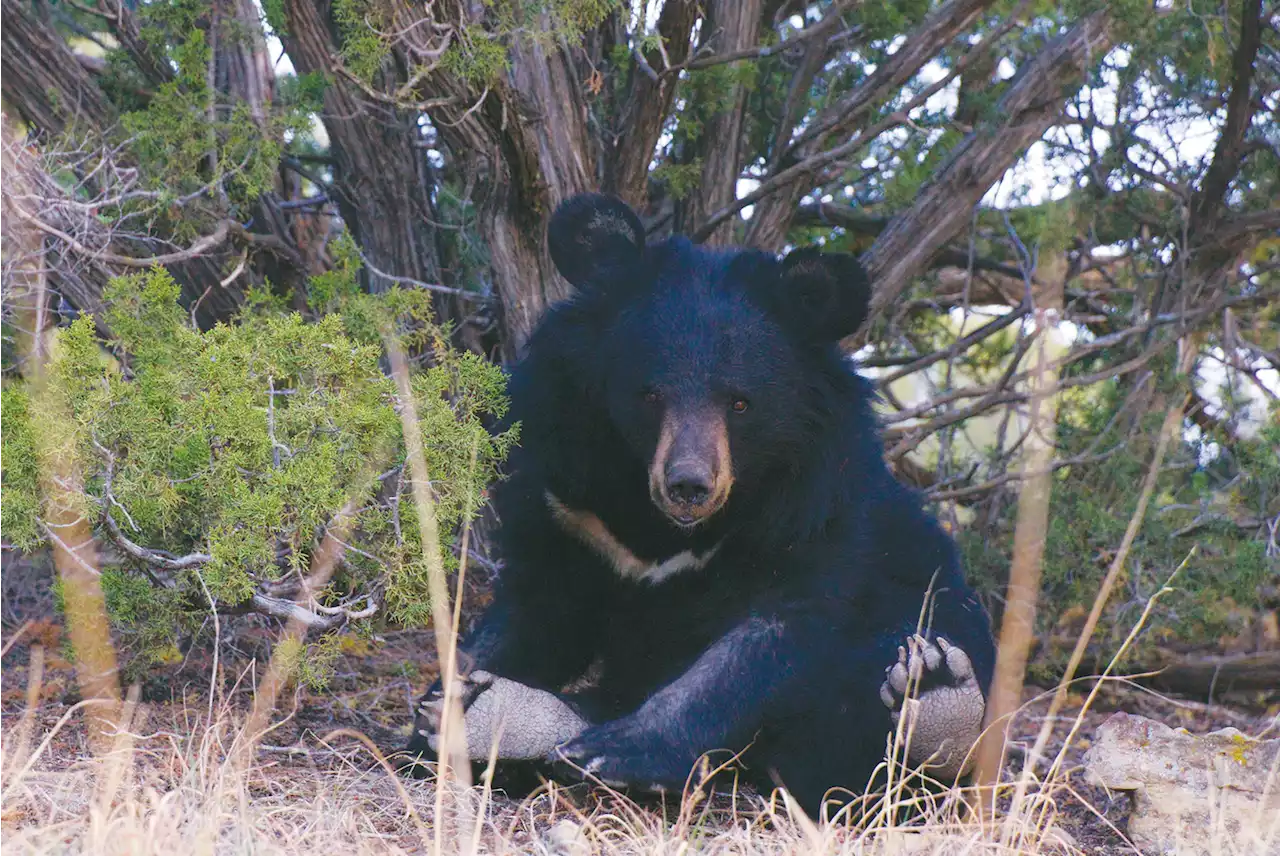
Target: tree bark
[[41, 79], [242, 65], [527, 138], [1228, 153], [1213, 675], [644, 107]]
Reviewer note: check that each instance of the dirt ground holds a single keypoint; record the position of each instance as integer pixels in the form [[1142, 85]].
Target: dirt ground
[[373, 684]]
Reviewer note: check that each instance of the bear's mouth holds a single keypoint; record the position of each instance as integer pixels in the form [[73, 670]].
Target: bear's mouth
[[683, 517]]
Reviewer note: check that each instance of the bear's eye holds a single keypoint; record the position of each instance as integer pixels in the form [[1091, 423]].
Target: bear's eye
[[652, 396], [740, 405]]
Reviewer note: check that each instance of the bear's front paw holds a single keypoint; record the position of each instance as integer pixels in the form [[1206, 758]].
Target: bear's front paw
[[524, 722], [613, 756], [944, 714]]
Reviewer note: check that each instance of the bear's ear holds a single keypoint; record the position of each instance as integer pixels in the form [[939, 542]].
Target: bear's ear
[[592, 233], [822, 296]]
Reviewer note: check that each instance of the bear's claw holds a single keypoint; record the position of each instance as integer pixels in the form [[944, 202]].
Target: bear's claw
[[431, 706]]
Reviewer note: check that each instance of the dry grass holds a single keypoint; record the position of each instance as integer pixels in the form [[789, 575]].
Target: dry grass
[[171, 784], [182, 793]]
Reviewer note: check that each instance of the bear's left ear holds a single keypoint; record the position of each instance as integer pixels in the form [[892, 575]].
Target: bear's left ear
[[822, 296], [591, 234]]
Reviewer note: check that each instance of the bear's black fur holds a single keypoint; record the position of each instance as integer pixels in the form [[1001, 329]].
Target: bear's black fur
[[692, 403]]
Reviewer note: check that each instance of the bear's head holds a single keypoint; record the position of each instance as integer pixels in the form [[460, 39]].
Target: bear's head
[[718, 367]]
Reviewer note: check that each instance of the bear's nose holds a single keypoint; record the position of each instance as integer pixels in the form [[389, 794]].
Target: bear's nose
[[688, 484]]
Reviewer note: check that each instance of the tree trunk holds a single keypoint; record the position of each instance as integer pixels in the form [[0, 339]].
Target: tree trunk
[[242, 65], [730, 25], [42, 80], [1212, 676], [944, 206], [527, 138], [644, 107], [382, 179]]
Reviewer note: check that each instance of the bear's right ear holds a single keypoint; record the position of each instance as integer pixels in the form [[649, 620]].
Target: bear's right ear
[[591, 234]]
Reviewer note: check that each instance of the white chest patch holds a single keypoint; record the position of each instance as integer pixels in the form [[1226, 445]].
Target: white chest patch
[[590, 530]]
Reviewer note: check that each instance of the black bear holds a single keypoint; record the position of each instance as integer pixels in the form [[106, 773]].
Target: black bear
[[701, 509]]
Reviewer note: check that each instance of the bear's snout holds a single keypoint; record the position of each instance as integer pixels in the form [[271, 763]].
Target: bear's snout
[[691, 473]]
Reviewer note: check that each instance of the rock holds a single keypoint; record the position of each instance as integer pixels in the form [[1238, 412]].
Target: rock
[[567, 838], [1216, 793]]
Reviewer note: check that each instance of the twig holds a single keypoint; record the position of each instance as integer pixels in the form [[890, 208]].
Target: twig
[[417, 283], [962, 344], [295, 612], [818, 28]]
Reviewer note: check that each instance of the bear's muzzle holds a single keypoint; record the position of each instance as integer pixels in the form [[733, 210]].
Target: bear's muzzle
[[691, 473]]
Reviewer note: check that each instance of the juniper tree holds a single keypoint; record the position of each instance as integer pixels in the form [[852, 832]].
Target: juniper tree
[[1110, 164]]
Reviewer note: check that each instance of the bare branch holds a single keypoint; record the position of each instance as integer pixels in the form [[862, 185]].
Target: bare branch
[[960, 345], [822, 28], [944, 205], [922, 45], [151, 557], [772, 217], [292, 611], [197, 249]]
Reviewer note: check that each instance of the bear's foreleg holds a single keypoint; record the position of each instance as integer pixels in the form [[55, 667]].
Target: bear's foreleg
[[810, 700], [718, 704]]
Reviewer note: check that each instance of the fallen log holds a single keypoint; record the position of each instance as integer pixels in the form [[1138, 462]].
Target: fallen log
[[1211, 676]]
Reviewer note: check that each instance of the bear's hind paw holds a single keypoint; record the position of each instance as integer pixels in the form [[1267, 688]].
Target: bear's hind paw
[[934, 682]]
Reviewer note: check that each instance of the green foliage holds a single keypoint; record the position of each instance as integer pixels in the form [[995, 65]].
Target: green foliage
[[462, 459], [567, 19], [711, 92], [363, 47], [145, 616], [886, 20], [19, 471], [478, 55], [680, 178], [273, 14], [187, 139], [303, 92], [310, 665], [1213, 507], [247, 442], [367, 317]]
